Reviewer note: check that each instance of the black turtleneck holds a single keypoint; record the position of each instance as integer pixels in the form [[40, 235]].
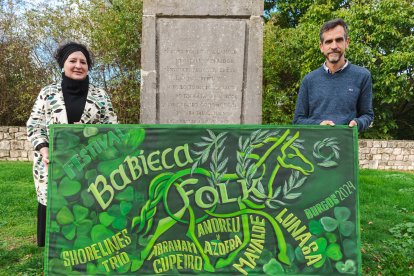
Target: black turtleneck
[[74, 94]]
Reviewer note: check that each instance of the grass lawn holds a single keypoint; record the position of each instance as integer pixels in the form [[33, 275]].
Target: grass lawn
[[387, 222], [19, 254], [386, 206]]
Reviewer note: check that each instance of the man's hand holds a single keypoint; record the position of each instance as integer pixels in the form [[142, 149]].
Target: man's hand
[[327, 123], [45, 155], [353, 123]]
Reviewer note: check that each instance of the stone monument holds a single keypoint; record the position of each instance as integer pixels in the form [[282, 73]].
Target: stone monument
[[202, 62]]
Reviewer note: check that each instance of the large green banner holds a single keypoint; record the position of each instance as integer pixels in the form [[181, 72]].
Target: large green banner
[[158, 199]]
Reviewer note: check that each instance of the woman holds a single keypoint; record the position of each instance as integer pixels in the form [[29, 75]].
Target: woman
[[74, 100]]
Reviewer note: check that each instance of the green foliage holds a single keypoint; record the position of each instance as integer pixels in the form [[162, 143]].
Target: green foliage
[[116, 31], [289, 53], [77, 224], [291, 11], [383, 34], [382, 40], [20, 77], [116, 38], [19, 84], [125, 98], [404, 232]]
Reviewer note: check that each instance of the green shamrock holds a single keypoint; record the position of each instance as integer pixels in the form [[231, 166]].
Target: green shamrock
[[131, 141], [90, 175], [90, 131], [273, 267], [350, 248], [54, 227], [58, 171], [87, 199], [126, 195], [265, 257], [58, 200], [65, 140], [99, 233], [340, 221], [331, 251], [348, 267], [107, 152], [116, 214], [68, 187], [108, 166], [74, 223], [315, 227]]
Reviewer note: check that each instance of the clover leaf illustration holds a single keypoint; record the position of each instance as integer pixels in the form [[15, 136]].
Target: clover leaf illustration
[[90, 131], [315, 227], [273, 267], [74, 223], [265, 257], [340, 221], [348, 267], [331, 251], [68, 187], [116, 216], [350, 247], [131, 141], [100, 232], [59, 200]]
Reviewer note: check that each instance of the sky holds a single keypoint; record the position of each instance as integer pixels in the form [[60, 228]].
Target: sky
[[36, 2]]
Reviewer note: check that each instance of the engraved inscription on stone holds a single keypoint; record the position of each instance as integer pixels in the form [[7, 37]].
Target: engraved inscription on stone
[[200, 65]]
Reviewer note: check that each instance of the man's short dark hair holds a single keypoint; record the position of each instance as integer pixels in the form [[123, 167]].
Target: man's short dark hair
[[332, 24]]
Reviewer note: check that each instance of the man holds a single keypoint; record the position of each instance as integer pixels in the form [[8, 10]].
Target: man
[[338, 92]]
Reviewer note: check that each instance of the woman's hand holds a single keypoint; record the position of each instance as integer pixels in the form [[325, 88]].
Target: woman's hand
[[45, 155]]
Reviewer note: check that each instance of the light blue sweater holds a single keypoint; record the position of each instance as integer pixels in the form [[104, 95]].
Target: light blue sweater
[[341, 97]]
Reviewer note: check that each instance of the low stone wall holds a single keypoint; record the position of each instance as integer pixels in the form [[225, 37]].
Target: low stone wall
[[386, 154], [373, 154], [14, 145]]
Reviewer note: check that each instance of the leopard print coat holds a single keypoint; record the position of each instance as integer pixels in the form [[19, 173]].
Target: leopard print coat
[[48, 109]]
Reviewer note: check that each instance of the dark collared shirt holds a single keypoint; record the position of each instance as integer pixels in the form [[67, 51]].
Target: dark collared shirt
[[339, 70]]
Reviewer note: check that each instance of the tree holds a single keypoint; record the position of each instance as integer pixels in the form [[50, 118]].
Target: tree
[[382, 34], [291, 11], [20, 77], [116, 36]]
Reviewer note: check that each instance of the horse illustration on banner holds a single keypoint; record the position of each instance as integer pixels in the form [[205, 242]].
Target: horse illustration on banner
[[261, 157]]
